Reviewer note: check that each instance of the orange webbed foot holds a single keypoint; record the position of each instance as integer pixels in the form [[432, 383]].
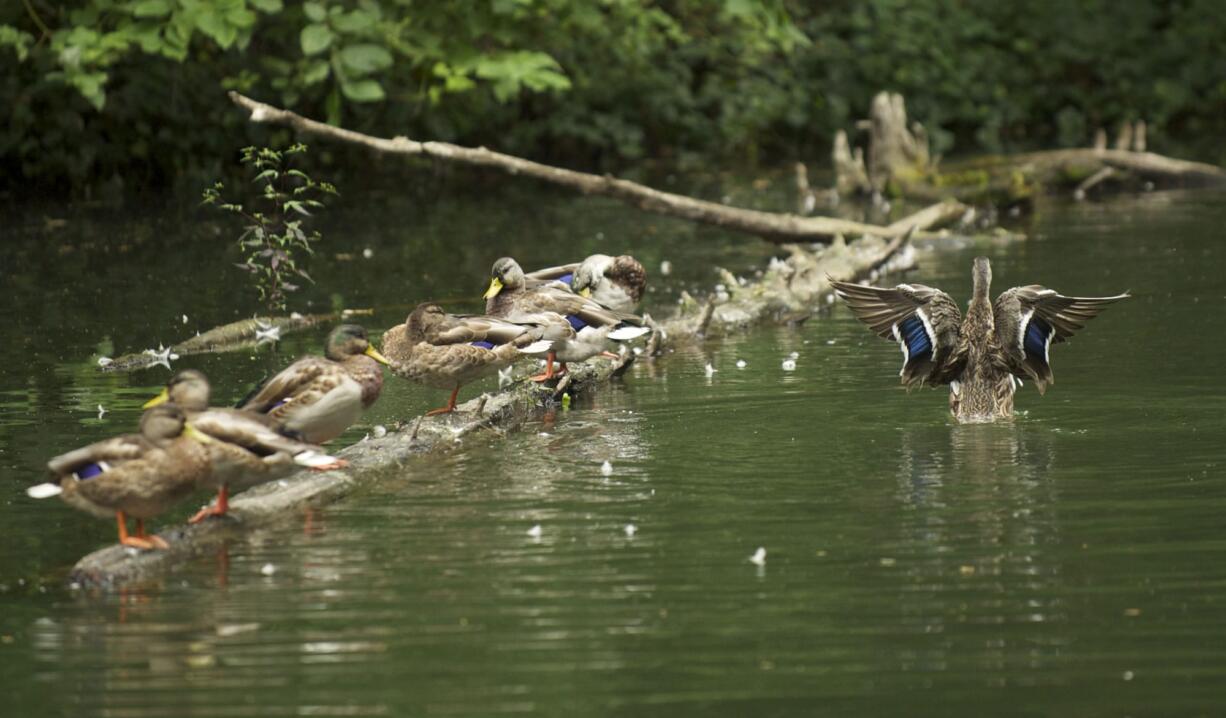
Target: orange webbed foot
[[204, 513], [338, 464], [145, 544]]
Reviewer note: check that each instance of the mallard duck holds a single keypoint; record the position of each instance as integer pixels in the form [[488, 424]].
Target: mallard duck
[[985, 356], [139, 475], [510, 297], [316, 398], [246, 451], [615, 282], [571, 344], [447, 351]]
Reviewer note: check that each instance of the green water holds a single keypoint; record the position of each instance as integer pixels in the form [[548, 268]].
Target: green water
[[1068, 563]]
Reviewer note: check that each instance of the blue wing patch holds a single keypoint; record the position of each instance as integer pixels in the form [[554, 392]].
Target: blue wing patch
[[483, 344], [566, 278], [1038, 333], [575, 322], [89, 471], [915, 335]]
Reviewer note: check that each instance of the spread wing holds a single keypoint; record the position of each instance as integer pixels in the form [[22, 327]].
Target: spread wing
[[924, 321], [1030, 319]]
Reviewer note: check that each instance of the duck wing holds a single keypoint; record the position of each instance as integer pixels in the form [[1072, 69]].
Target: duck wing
[[923, 320], [119, 449], [287, 383], [465, 329], [1030, 319]]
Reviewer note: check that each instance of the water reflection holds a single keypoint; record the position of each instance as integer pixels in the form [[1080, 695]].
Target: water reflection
[[981, 516]]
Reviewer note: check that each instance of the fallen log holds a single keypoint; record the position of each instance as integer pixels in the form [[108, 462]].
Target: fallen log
[[776, 227], [899, 164], [243, 334], [787, 290]]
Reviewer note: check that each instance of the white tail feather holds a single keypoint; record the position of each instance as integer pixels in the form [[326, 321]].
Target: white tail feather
[[539, 347], [622, 334], [313, 458], [44, 491]]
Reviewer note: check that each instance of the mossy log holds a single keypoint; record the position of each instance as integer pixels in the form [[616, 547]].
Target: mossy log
[[788, 291]]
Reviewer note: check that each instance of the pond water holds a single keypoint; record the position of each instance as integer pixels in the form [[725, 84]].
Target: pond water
[[1067, 563]]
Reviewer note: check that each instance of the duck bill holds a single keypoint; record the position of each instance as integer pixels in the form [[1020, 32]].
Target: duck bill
[[159, 399], [495, 288], [193, 433], [374, 354], [585, 292]]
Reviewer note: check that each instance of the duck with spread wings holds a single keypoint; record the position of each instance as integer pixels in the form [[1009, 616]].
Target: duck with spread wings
[[984, 356]]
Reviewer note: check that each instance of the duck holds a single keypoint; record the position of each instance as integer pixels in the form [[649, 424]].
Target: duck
[[245, 450], [139, 475], [983, 357], [316, 398], [447, 351], [510, 297], [614, 282]]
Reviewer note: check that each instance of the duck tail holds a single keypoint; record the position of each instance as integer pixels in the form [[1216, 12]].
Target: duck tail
[[622, 334], [538, 347], [44, 491]]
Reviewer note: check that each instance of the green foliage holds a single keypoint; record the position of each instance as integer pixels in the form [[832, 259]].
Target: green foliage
[[273, 239], [131, 91]]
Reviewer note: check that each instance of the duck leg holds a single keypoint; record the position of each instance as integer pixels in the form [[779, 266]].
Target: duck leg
[[218, 509], [125, 539], [157, 541], [450, 404], [611, 355], [549, 373]]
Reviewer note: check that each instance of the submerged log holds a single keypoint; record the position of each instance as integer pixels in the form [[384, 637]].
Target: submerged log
[[788, 291], [777, 227], [243, 334]]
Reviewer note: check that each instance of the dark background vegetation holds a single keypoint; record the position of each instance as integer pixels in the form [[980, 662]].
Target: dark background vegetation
[[109, 97]]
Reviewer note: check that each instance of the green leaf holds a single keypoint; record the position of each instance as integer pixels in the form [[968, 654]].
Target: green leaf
[[353, 22], [151, 8], [315, 39], [366, 58], [314, 11], [363, 90], [315, 73], [216, 27], [267, 6]]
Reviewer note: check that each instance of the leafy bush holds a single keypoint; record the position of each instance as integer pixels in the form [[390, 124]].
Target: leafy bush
[[116, 93]]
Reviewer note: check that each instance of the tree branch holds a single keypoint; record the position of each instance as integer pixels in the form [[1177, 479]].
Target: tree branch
[[777, 227]]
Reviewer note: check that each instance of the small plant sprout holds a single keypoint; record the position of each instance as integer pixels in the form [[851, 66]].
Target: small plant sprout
[[273, 240]]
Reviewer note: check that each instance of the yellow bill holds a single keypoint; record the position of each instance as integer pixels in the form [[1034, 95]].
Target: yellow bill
[[159, 399], [585, 292], [194, 433], [374, 354], [495, 288]]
